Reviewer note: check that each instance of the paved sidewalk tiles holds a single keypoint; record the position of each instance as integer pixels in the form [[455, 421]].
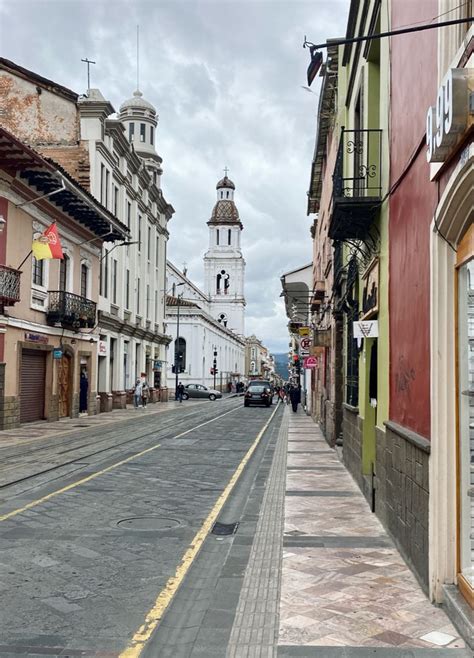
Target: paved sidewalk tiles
[[343, 583]]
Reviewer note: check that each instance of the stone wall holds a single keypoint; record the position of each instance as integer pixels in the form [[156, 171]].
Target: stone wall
[[402, 493], [352, 442]]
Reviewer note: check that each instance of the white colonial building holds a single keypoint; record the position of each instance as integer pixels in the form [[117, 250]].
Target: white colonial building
[[125, 175], [211, 322]]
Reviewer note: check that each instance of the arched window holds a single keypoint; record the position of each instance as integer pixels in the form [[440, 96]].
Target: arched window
[[180, 354], [84, 280], [222, 277], [227, 194], [218, 284], [229, 236], [64, 273], [222, 195], [222, 319], [217, 236]]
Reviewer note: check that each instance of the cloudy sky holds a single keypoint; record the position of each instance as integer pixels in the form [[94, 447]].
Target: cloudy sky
[[226, 78]]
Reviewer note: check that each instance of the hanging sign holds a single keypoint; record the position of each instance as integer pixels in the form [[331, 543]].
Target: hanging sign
[[57, 354], [449, 119], [304, 331], [310, 362], [157, 364], [305, 343], [102, 348], [365, 329]]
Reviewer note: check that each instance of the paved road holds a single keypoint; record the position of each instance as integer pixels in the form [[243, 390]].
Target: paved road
[[92, 532]]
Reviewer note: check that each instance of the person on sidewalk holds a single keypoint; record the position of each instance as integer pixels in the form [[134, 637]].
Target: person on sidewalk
[[137, 394], [180, 391], [295, 397], [145, 393]]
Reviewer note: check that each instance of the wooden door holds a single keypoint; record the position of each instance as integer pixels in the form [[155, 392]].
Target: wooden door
[[64, 386]]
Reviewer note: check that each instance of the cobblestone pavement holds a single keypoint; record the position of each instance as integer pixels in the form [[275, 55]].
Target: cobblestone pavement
[[344, 584]]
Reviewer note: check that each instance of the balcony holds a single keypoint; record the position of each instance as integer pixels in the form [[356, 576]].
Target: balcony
[[9, 286], [357, 187], [70, 311]]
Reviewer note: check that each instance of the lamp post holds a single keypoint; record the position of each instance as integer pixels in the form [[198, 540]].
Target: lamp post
[[176, 348], [214, 365]]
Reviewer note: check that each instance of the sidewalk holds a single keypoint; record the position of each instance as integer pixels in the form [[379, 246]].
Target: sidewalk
[[343, 581], [324, 579]]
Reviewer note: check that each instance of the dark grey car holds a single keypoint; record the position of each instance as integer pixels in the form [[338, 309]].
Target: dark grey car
[[200, 391]]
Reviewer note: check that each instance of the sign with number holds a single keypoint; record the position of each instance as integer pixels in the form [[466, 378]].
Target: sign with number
[[448, 119]]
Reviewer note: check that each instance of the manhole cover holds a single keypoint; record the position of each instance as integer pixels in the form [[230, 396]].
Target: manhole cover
[[148, 523], [224, 528]]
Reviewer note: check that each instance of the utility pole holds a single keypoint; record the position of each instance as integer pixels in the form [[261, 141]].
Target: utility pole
[[214, 366]]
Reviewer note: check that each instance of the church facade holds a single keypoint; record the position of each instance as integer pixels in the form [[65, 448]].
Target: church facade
[[211, 321]]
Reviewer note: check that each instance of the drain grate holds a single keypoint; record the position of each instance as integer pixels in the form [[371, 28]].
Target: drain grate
[[224, 528]]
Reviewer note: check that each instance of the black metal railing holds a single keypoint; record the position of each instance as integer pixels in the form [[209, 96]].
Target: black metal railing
[[9, 286], [357, 173], [69, 310], [357, 183]]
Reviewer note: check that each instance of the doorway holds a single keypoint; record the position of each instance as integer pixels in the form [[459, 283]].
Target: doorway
[[465, 413], [64, 386]]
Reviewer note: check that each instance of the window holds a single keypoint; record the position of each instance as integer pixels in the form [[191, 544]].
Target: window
[[38, 272], [139, 232], [114, 281], [107, 182], [131, 132], [147, 301], [102, 183], [222, 195], [115, 200], [138, 296], [104, 274], [63, 273], [217, 236], [129, 213], [142, 132], [84, 279], [157, 250], [152, 138], [148, 246], [156, 306], [127, 289], [227, 194], [229, 237], [222, 319]]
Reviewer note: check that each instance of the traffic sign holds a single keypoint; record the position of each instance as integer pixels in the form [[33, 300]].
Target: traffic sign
[[310, 362], [305, 343]]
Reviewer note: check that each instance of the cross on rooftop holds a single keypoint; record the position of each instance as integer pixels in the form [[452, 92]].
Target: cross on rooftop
[[225, 171]]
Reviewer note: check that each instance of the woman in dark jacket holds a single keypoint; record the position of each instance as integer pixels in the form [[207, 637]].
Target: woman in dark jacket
[[295, 397]]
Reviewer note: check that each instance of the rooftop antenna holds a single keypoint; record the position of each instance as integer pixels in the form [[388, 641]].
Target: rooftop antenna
[[88, 62], [138, 57]]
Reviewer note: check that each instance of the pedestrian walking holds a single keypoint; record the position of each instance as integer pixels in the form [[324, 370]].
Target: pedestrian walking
[[295, 397], [145, 393], [180, 392], [137, 394]]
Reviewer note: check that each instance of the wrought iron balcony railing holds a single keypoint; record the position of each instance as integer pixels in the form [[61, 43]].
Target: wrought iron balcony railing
[[357, 186], [9, 286], [70, 311]]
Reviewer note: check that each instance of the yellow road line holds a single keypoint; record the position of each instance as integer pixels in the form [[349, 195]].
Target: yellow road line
[[39, 501], [165, 597]]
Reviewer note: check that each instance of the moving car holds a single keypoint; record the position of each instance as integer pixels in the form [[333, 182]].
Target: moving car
[[258, 392], [200, 391]]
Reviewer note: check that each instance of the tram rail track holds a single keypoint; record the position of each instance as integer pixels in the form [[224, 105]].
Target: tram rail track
[[160, 433]]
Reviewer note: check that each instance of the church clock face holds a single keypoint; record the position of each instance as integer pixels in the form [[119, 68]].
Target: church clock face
[[224, 263]]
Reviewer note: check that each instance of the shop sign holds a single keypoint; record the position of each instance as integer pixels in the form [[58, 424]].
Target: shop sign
[[36, 338], [102, 348], [365, 329], [370, 293], [448, 120], [157, 364], [310, 362], [57, 354], [322, 338], [304, 331]]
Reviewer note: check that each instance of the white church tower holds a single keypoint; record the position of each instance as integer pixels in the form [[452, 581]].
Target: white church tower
[[224, 265]]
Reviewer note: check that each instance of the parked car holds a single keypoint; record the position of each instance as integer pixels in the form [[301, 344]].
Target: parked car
[[258, 392], [200, 391]]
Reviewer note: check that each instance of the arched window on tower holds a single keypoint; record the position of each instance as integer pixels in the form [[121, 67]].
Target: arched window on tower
[[222, 195], [222, 319], [218, 284], [227, 194], [217, 236], [229, 237]]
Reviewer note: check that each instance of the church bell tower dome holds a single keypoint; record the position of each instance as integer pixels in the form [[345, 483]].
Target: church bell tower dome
[[140, 119]]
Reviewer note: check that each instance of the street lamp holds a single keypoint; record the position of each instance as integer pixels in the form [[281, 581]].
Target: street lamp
[[176, 353], [214, 365]]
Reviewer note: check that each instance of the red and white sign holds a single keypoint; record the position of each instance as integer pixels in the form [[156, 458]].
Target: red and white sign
[[310, 362], [304, 345], [102, 348]]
